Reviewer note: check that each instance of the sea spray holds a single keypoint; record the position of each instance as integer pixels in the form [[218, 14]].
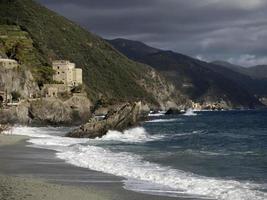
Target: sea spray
[[135, 135], [190, 112]]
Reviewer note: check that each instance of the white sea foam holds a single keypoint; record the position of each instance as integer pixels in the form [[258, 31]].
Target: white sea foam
[[135, 135], [82, 153], [162, 120], [190, 112], [160, 113], [131, 166]]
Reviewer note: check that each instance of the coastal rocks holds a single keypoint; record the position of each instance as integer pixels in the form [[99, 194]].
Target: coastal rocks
[[3, 127], [174, 111], [54, 111], [164, 92], [80, 108], [50, 111], [121, 118], [18, 80], [8, 116]]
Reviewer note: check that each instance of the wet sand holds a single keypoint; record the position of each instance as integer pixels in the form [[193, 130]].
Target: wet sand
[[31, 174], [6, 140]]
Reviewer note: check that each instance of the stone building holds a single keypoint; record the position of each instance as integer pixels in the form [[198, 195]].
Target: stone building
[[52, 90], [8, 63], [67, 73]]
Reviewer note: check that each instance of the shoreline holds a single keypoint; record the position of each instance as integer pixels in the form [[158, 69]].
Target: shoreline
[[31, 173]]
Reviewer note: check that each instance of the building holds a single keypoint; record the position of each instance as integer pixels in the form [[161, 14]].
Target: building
[[67, 73], [8, 63], [52, 90]]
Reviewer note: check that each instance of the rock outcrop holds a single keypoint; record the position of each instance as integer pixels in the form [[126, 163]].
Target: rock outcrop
[[18, 80], [54, 111], [3, 127], [125, 116]]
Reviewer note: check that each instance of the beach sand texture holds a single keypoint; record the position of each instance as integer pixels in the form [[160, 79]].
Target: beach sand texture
[[35, 174]]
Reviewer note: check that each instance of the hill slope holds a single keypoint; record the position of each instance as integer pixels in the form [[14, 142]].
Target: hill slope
[[106, 72], [203, 82], [255, 72]]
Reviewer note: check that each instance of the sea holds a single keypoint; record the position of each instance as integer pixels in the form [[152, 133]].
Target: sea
[[199, 155]]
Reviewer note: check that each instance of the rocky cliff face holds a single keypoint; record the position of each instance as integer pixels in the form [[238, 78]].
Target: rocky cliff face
[[165, 92], [18, 80], [125, 116]]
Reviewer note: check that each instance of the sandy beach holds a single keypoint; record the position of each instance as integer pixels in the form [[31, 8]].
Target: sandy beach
[[10, 139], [35, 174]]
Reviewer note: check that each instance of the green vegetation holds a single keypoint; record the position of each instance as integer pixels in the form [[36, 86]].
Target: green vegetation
[[18, 45], [105, 71]]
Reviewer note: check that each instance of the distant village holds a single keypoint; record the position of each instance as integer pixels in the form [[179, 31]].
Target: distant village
[[66, 77]]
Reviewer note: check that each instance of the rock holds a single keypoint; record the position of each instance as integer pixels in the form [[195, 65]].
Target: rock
[[19, 80], [22, 113], [125, 116], [8, 116], [174, 111], [80, 106], [50, 111], [4, 127]]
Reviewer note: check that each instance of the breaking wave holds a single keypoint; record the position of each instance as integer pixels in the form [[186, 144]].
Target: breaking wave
[[190, 112], [135, 135], [162, 120], [83, 153]]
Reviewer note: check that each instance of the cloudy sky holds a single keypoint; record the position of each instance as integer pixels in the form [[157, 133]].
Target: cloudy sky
[[231, 30]]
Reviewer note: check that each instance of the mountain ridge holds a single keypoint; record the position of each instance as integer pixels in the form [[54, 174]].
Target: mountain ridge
[[201, 81]]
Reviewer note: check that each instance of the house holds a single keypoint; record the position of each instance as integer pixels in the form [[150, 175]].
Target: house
[[67, 73], [8, 63]]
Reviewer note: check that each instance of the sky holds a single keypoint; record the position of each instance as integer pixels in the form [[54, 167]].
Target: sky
[[229, 30]]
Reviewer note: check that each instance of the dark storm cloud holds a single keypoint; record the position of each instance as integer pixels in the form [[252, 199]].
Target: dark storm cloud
[[234, 30]]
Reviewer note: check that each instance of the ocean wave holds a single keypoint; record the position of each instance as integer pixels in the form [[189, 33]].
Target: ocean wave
[[190, 112], [162, 120], [131, 166], [135, 135], [156, 115], [82, 153]]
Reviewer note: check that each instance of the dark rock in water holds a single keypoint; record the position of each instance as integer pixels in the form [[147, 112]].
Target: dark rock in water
[[174, 111], [124, 116]]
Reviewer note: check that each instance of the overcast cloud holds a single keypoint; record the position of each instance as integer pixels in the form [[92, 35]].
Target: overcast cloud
[[231, 30]]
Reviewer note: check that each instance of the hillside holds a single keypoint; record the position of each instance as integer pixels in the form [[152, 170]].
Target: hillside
[[201, 81], [106, 72], [255, 72]]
